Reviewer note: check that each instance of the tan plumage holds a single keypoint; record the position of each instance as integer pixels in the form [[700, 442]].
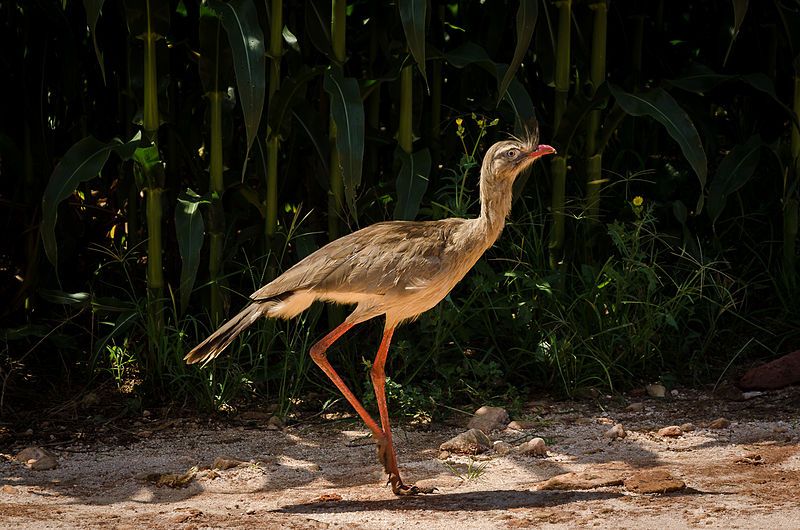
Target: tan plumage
[[398, 269]]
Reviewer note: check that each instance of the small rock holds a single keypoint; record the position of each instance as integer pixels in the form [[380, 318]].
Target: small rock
[[653, 481], [687, 427], [471, 442], [674, 393], [521, 425], [585, 480], [28, 432], [502, 447], [37, 459], [9, 489], [534, 447], [750, 458], [776, 374], [44, 463], [605, 421], [719, 423], [752, 394], [223, 462], [328, 497], [144, 434], [656, 390], [275, 423], [254, 415], [670, 432], [89, 400], [617, 431], [489, 419], [444, 455], [250, 511], [146, 413], [635, 407]]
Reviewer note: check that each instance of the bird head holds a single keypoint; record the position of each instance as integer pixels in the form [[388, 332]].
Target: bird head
[[508, 158]]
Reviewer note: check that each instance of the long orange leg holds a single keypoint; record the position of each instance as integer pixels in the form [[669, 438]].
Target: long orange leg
[[320, 358], [386, 453]]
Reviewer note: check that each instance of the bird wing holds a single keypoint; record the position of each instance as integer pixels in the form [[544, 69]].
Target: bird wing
[[384, 257]]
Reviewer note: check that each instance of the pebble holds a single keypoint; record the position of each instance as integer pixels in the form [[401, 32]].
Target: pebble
[[617, 431], [585, 480], [653, 481], [656, 390], [471, 442], [223, 462], [635, 407], [9, 489], [488, 419], [674, 393], [502, 447], [275, 423], [36, 458], [687, 427], [521, 425], [534, 447], [670, 432], [719, 423]]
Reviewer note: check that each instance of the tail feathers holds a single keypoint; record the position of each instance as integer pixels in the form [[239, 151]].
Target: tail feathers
[[220, 339]]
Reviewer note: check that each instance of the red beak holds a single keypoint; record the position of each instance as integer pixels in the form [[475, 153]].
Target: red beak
[[542, 150]]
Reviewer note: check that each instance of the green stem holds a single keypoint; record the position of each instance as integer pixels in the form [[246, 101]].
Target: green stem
[[155, 271], [150, 111], [597, 77], [559, 162], [336, 197], [275, 51], [405, 134], [216, 219]]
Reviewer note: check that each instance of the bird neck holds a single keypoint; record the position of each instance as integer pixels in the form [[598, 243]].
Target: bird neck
[[496, 196]]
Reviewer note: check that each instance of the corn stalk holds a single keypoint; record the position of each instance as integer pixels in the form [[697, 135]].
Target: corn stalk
[[336, 194], [597, 75], [559, 162], [275, 52]]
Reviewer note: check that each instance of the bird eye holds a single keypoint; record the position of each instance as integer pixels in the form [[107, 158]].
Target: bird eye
[[512, 153]]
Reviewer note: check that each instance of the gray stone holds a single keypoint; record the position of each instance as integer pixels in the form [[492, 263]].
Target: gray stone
[[489, 419], [617, 431], [534, 447], [471, 442]]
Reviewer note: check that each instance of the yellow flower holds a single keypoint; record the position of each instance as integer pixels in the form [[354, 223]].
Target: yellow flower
[[459, 121], [638, 201]]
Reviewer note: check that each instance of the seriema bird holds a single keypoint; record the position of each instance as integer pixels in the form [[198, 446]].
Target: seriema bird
[[398, 269]]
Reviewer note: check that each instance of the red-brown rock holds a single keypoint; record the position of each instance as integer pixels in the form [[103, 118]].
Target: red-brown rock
[[779, 373]]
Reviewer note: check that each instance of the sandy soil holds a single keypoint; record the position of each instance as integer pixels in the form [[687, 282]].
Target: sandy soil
[[325, 474]]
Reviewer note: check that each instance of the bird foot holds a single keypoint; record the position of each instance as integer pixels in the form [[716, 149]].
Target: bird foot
[[400, 489]]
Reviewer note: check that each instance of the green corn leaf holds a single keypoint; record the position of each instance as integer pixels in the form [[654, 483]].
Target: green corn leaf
[[662, 107], [292, 88], [739, 11], [733, 173], [527, 13], [189, 228], [347, 111], [240, 20], [147, 18], [82, 162], [412, 182], [515, 94], [93, 9], [318, 26], [412, 15]]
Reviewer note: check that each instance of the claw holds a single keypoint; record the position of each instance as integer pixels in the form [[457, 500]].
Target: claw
[[400, 489]]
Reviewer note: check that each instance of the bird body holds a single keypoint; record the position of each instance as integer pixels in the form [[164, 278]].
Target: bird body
[[399, 269]]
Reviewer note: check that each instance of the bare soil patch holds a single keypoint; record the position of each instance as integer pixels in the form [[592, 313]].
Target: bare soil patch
[[745, 475]]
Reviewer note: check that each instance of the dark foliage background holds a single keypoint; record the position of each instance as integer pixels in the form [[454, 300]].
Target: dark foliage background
[[161, 160]]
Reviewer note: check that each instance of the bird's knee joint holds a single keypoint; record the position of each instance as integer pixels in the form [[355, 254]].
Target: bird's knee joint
[[318, 355]]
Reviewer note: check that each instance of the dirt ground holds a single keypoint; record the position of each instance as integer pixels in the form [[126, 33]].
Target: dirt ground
[[324, 474]]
